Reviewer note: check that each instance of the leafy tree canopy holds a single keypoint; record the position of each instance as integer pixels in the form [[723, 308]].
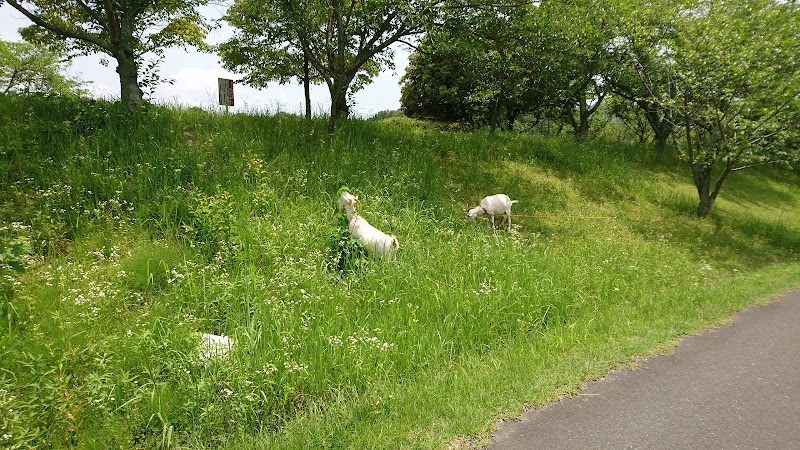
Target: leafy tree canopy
[[28, 68], [481, 65], [736, 95], [126, 31], [438, 84], [345, 42]]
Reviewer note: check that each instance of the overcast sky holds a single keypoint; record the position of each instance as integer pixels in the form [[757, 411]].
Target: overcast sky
[[196, 74]]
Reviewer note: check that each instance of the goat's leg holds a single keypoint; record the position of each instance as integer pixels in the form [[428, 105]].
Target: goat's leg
[[508, 216], [492, 218], [503, 221]]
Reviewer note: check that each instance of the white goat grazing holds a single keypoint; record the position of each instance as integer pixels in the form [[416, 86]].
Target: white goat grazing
[[493, 205], [373, 239]]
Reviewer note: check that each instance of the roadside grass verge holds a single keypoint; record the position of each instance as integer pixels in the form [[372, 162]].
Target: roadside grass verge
[[151, 229]]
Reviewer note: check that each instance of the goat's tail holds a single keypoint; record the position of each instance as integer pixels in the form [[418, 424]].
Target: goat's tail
[[514, 201]]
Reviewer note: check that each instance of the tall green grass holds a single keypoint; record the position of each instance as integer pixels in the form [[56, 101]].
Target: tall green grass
[[150, 229]]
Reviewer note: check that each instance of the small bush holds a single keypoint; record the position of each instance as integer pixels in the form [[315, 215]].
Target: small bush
[[211, 222], [346, 253]]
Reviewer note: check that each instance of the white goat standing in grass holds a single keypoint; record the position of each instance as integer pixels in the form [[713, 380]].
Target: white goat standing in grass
[[373, 239], [493, 205]]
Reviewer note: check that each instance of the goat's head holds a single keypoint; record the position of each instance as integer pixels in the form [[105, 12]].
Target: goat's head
[[347, 200]]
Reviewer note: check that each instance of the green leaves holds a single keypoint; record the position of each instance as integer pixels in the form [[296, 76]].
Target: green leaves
[[341, 43], [181, 30], [12, 256], [26, 68], [126, 31], [737, 88]]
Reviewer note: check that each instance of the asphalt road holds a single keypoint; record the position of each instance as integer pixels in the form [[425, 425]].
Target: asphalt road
[[735, 387]]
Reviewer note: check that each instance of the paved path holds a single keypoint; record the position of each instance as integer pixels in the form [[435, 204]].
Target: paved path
[[736, 387]]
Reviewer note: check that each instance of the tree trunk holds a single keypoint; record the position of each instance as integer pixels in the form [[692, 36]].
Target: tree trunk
[[583, 129], [569, 109], [511, 118], [307, 85], [661, 137], [702, 180], [340, 83], [581, 125], [704, 207], [662, 128], [130, 94], [707, 200], [494, 119], [340, 110]]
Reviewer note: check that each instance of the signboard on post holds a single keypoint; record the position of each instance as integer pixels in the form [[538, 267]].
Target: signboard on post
[[225, 91]]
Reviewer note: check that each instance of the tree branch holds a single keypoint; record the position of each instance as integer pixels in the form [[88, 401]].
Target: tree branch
[[570, 114], [11, 80], [488, 5], [387, 22], [718, 186], [113, 25], [594, 107], [74, 34], [404, 42], [97, 18], [754, 165]]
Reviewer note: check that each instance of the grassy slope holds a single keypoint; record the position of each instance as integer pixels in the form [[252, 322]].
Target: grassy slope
[[151, 229]]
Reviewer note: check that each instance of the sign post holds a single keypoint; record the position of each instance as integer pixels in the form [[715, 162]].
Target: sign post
[[225, 92]]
